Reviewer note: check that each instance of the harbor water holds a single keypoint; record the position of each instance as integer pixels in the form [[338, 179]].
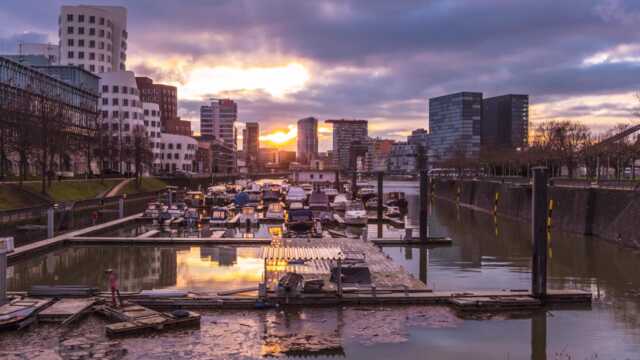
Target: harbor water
[[487, 253]]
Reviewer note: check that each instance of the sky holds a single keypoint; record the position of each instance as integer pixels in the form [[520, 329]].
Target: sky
[[370, 59]]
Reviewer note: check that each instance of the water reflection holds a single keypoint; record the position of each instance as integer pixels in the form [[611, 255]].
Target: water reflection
[[142, 267]]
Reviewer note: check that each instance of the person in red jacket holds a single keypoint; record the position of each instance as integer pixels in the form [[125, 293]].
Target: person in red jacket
[[113, 286]]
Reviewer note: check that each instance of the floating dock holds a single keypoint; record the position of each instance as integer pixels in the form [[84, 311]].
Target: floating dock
[[134, 318], [67, 310]]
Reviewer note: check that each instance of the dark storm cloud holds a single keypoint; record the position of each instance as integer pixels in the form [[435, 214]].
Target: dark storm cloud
[[425, 48]]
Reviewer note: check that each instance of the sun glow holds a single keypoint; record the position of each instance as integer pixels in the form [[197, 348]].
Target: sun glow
[[281, 137]]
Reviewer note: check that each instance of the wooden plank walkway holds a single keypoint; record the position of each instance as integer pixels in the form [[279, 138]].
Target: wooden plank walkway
[[167, 240], [66, 310], [135, 318], [42, 245], [432, 240]]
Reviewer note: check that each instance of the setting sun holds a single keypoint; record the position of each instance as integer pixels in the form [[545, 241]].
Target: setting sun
[[280, 137]]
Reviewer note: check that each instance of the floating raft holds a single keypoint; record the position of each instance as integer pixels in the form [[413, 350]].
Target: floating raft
[[21, 312], [135, 318], [66, 310]]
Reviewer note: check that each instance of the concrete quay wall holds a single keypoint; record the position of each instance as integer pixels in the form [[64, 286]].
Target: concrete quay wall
[[607, 213]]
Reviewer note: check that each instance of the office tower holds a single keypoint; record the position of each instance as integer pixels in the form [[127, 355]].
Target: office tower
[[350, 141], [307, 139], [455, 126], [93, 37], [505, 122], [218, 120], [251, 144]]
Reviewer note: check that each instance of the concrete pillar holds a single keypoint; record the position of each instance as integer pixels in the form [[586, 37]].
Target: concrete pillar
[[539, 232], [120, 208], [50, 221], [354, 184], [424, 205], [3, 276]]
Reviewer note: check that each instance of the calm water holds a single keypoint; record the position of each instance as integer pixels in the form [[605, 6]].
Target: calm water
[[484, 255]]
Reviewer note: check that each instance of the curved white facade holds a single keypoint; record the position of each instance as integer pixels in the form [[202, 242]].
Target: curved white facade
[[151, 119], [178, 153], [93, 37], [121, 113]]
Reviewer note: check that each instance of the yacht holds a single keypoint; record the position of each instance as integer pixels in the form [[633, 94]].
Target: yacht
[[194, 199], [191, 216], [393, 212], [340, 202], [366, 191], [330, 192], [296, 194], [270, 196], [152, 211], [355, 213], [275, 212], [308, 189]]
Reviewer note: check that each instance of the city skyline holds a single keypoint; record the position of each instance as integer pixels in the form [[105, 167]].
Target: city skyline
[[277, 76]]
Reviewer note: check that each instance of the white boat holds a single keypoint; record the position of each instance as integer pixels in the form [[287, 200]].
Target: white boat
[[308, 188], [393, 212], [152, 211], [366, 191], [194, 198], [218, 217], [177, 210], [340, 202], [248, 214], [275, 212], [192, 216], [355, 213], [331, 193], [296, 194]]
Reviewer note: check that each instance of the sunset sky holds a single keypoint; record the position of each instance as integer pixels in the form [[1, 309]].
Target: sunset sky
[[376, 60]]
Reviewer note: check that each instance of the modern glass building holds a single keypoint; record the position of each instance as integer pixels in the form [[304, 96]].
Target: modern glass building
[[505, 122], [455, 126]]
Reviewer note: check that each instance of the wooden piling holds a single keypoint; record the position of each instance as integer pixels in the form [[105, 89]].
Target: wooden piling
[[423, 206], [380, 195], [354, 184], [539, 232]]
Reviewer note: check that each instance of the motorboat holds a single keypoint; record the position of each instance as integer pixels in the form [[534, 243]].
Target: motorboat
[[194, 199], [308, 188], [366, 191], [270, 196], [393, 212], [340, 202], [372, 203], [248, 215], [218, 217], [152, 211], [355, 213], [296, 205], [275, 212], [177, 210], [331, 193], [191, 216], [300, 220], [318, 201], [296, 194]]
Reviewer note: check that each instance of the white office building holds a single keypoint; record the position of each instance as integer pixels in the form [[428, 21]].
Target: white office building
[[152, 125], [50, 51], [93, 37], [178, 152]]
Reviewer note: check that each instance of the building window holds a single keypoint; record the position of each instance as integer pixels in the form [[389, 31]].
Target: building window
[[126, 114], [70, 30], [101, 46], [81, 30], [105, 101], [115, 89], [125, 102], [114, 101], [126, 126], [92, 44], [101, 57], [114, 126], [105, 114], [101, 68], [92, 56], [92, 32], [101, 21], [105, 88], [101, 33], [92, 19], [70, 42], [69, 17], [146, 112], [80, 43], [80, 54], [80, 18], [70, 55], [114, 114]]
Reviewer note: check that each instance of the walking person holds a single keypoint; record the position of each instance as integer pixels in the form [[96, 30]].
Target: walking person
[[94, 217], [113, 286]]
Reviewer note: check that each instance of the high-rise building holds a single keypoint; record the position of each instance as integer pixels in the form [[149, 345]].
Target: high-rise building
[[505, 122], [307, 139], [165, 96], [419, 138], [455, 126], [251, 145], [218, 120], [378, 154], [350, 141], [93, 37]]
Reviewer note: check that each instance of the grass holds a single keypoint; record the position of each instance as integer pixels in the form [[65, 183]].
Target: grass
[[148, 184], [75, 190], [11, 199]]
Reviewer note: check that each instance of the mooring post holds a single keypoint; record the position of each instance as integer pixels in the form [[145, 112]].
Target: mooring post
[[354, 184], [539, 232], [380, 195], [50, 220], [4, 248], [120, 208], [338, 187], [423, 206]]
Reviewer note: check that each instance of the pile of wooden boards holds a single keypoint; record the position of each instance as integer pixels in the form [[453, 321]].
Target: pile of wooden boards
[[134, 319]]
